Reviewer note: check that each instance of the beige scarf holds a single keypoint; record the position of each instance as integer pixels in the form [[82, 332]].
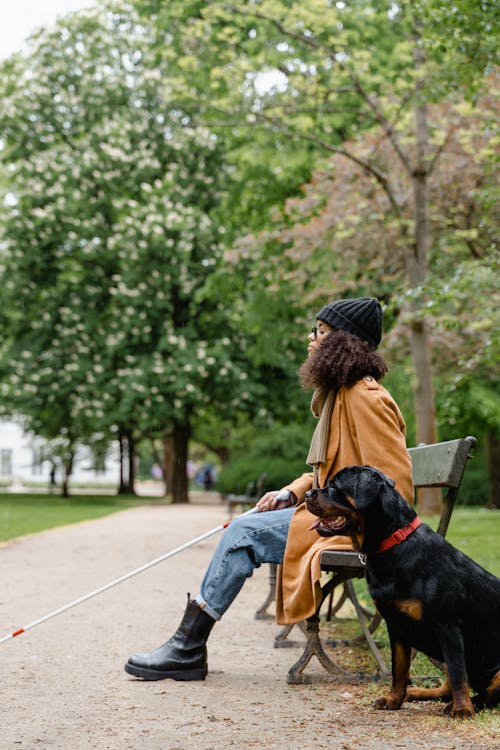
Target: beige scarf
[[322, 404]]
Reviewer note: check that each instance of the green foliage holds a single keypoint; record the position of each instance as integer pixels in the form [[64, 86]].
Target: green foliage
[[110, 239], [460, 39], [118, 310], [264, 167], [384, 213], [465, 307], [279, 454], [398, 382]]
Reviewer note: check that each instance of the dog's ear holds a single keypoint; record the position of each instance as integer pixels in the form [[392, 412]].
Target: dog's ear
[[364, 484], [383, 476]]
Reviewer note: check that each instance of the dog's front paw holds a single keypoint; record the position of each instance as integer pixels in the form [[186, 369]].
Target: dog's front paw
[[388, 703], [464, 711]]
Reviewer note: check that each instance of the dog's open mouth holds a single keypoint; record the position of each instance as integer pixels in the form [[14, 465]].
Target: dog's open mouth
[[329, 526]]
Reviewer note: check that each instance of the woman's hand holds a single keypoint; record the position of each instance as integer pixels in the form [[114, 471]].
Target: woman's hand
[[275, 500]]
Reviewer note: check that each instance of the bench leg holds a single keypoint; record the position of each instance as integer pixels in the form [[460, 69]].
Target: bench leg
[[366, 630], [314, 647], [281, 640], [261, 613], [334, 608]]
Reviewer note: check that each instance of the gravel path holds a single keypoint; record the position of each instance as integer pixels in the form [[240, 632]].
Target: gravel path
[[63, 685]]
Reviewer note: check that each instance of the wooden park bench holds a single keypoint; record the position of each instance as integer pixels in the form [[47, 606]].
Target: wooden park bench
[[437, 465]]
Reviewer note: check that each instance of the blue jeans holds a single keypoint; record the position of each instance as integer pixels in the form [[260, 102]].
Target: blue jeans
[[247, 543]]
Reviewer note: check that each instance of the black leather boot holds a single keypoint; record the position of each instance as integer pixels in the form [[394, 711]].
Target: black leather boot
[[183, 656]]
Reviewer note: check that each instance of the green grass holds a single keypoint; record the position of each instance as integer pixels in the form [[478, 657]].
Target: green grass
[[476, 531], [22, 514]]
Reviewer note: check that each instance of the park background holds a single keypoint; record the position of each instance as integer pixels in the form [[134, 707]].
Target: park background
[[184, 184]]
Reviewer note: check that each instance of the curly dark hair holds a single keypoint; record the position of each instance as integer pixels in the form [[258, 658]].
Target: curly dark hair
[[342, 359]]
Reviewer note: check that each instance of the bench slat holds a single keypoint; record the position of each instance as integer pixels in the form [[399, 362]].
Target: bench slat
[[440, 464], [331, 560]]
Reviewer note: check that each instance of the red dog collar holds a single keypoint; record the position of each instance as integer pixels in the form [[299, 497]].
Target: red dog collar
[[400, 535]]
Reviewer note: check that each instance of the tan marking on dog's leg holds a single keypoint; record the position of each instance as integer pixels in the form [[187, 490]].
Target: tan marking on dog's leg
[[442, 693], [400, 674], [410, 607], [492, 694]]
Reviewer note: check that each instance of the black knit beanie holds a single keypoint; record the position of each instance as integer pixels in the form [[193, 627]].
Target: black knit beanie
[[362, 317]]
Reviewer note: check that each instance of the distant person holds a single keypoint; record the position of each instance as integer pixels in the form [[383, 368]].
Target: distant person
[[358, 423], [52, 479], [156, 472], [208, 477]]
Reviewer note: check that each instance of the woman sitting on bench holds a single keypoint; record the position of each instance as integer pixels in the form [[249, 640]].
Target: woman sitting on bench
[[358, 423]]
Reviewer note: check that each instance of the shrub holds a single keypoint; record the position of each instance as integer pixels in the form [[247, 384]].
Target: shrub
[[279, 454]]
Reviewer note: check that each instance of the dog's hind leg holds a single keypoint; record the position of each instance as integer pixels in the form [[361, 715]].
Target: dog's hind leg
[[492, 692], [442, 693], [452, 645]]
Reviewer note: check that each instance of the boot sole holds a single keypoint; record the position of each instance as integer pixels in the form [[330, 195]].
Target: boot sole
[[186, 675]]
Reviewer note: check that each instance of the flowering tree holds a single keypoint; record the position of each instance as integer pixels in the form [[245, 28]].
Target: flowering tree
[[109, 238]]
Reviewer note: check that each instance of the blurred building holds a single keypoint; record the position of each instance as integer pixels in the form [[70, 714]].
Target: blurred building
[[27, 458]]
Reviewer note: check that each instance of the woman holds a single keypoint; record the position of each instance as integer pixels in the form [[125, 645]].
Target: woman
[[358, 423]]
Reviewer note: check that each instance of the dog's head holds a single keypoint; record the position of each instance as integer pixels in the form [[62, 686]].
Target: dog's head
[[360, 502]]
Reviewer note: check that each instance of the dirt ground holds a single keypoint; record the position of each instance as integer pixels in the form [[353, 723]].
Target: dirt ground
[[63, 684]]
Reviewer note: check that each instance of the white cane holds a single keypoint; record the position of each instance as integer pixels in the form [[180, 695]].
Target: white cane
[[125, 577]]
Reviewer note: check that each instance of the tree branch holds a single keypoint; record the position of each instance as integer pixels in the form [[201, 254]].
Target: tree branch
[[358, 86], [439, 151], [370, 169]]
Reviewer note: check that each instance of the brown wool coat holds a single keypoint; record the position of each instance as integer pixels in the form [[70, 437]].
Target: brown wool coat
[[368, 428]]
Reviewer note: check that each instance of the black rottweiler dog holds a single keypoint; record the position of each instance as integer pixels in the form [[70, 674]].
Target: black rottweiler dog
[[432, 596]]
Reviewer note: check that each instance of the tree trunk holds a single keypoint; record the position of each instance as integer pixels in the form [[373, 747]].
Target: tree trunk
[[131, 464], [429, 501], [67, 471], [127, 459], [493, 462], [168, 463], [121, 486], [424, 391], [181, 435]]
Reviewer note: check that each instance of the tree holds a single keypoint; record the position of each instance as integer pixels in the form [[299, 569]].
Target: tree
[[341, 209], [113, 229], [108, 240], [382, 61]]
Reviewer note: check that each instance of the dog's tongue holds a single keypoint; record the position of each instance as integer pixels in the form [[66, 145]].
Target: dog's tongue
[[314, 525]]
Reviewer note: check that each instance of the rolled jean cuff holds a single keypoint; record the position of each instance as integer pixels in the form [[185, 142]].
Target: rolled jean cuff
[[207, 608]]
